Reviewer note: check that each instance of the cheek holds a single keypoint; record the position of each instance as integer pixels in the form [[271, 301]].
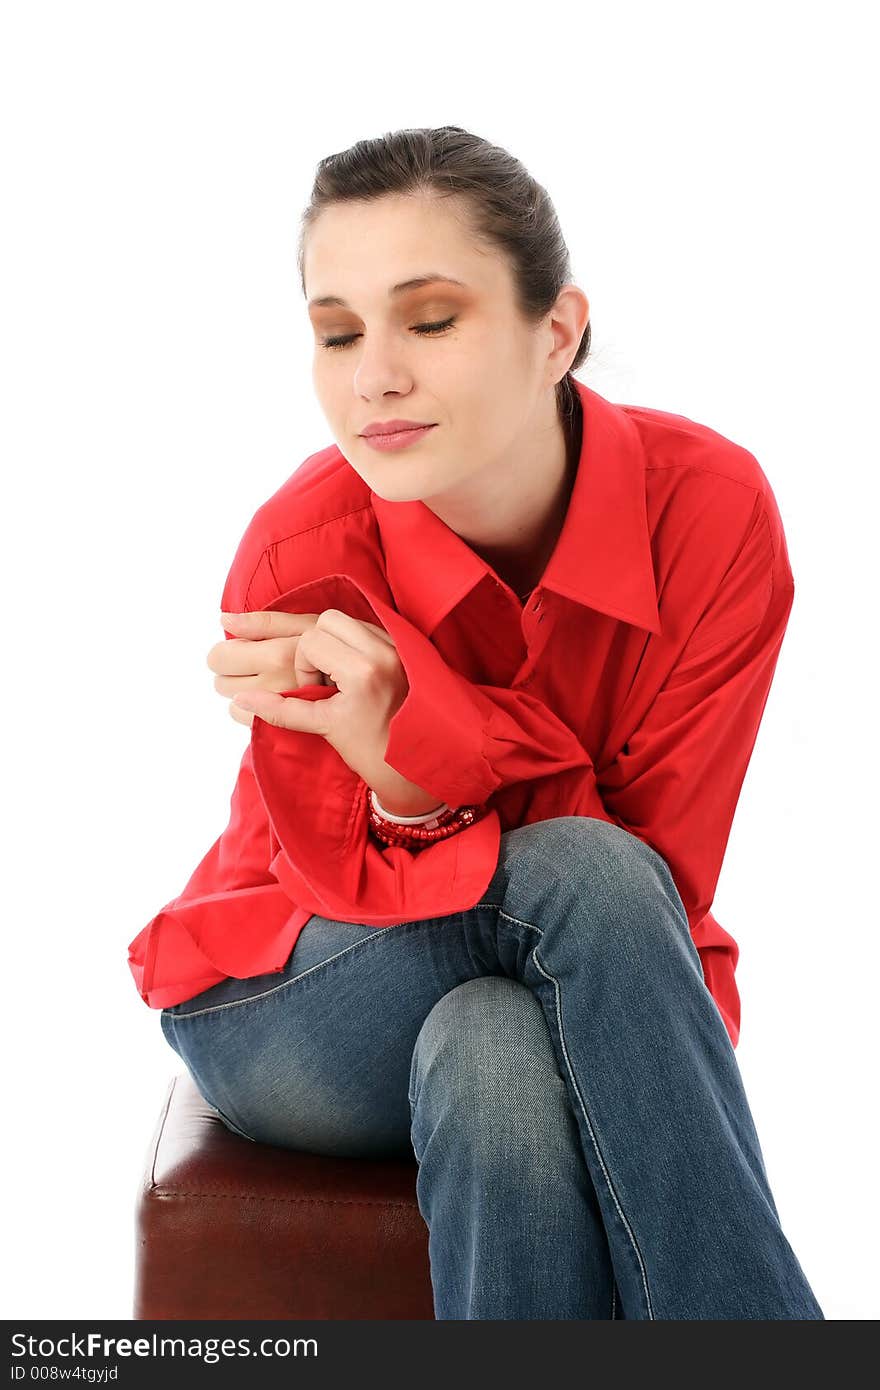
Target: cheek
[[332, 393]]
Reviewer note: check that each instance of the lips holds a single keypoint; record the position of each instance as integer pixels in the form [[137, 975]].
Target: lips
[[399, 438], [391, 427]]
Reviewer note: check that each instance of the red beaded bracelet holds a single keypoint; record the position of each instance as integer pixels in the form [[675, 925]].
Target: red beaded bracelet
[[449, 822]]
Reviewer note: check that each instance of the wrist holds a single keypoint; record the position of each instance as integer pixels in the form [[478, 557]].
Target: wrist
[[420, 831], [407, 817], [400, 797]]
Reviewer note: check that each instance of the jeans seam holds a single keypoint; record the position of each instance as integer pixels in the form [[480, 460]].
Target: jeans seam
[[230, 1124], [540, 931], [266, 994]]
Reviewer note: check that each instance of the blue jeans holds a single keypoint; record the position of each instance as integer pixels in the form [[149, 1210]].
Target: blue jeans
[[555, 1063]]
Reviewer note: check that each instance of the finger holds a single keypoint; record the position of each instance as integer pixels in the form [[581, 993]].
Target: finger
[[241, 716], [380, 632], [230, 686], [285, 712], [355, 632], [266, 622], [240, 656], [305, 669], [323, 658]]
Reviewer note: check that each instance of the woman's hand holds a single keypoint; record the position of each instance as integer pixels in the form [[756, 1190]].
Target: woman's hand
[[284, 651], [264, 657]]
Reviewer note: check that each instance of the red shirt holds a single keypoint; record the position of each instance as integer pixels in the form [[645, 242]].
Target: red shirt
[[630, 688]]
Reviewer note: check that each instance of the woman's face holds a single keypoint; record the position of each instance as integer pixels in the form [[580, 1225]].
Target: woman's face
[[484, 379]]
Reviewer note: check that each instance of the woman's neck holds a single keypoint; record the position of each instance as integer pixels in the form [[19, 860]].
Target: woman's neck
[[521, 566]]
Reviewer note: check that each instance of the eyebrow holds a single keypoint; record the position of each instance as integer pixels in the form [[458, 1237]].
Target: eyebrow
[[328, 300]]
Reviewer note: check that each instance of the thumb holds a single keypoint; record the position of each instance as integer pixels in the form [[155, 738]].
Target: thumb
[[291, 710]]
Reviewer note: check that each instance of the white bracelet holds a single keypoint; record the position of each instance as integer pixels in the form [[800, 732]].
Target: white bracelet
[[407, 820]]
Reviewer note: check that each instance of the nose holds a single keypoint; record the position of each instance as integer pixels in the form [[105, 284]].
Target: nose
[[381, 368]]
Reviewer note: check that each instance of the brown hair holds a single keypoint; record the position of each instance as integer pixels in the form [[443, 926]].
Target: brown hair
[[509, 210]]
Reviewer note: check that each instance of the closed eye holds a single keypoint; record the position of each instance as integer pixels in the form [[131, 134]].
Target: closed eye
[[425, 329]]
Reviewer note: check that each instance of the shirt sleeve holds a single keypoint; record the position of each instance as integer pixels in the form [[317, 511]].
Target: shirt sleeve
[[229, 920], [462, 741], [207, 932]]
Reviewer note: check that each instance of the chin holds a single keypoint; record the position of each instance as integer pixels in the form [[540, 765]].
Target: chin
[[403, 492]]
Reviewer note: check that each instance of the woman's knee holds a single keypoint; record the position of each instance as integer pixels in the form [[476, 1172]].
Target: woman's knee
[[605, 888], [484, 1062], [584, 848]]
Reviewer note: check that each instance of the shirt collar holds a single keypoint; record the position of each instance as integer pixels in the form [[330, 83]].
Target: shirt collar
[[602, 558]]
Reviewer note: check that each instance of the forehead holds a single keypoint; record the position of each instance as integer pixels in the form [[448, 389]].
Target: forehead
[[387, 248]]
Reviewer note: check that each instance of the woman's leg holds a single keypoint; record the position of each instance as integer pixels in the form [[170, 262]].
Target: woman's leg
[[515, 1228], [314, 1057], [330, 1055], [589, 918], [320, 1058]]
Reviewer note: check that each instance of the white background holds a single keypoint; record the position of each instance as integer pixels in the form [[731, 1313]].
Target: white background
[[712, 169]]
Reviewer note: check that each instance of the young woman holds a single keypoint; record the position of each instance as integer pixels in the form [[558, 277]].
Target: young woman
[[504, 648]]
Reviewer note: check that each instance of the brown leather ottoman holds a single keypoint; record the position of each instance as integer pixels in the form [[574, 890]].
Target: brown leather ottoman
[[227, 1228]]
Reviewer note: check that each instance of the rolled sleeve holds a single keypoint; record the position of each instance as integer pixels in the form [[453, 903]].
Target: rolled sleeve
[[232, 918], [463, 741]]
